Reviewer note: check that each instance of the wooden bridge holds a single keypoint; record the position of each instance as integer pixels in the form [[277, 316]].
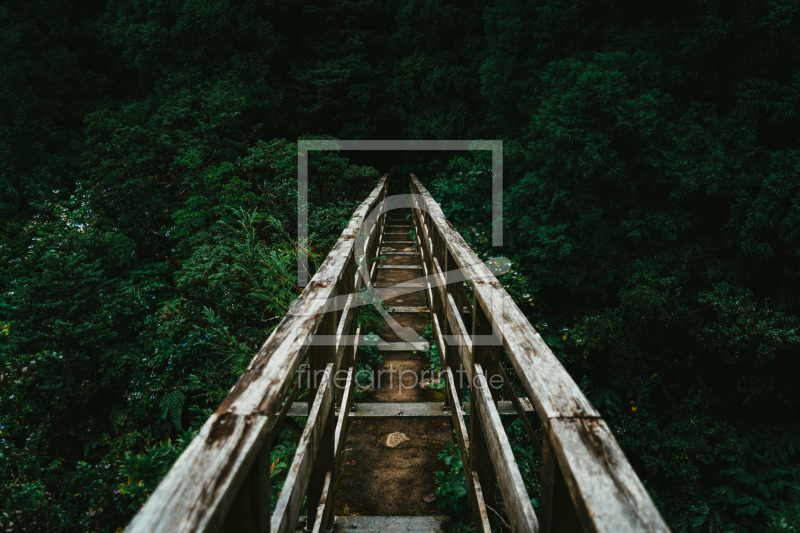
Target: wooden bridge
[[222, 481]]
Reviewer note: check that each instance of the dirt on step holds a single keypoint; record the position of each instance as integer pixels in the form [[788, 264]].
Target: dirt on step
[[377, 480]]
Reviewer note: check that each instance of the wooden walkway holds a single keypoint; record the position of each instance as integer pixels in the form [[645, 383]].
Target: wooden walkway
[[377, 456]]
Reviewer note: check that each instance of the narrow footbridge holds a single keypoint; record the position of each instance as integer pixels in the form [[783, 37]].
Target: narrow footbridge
[[426, 274]]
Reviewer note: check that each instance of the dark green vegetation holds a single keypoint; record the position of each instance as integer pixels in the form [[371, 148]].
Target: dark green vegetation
[[652, 176]]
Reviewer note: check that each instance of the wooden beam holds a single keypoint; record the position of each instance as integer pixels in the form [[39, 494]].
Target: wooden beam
[[515, 496], [276, 426], [201, 486], [604, 488], [407, 409], [266, 381], [518, 407], [458, 420], [408, 309], [287, 510], [344, 412], [324, 508], [556, 397], [480, 516], [550, 387], [441, 285], [463, 343]]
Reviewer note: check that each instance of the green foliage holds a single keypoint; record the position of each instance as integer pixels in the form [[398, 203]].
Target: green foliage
[[143, 472], [147, 224], [451, 486], [434, 360]]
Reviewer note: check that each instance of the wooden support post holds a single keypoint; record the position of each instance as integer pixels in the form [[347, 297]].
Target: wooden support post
[[453, 356], [346, 286], [557, 511], [249, 511], [319, 357], [488, 357]]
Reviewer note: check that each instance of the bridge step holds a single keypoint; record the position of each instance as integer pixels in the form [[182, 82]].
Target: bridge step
[[412, 286], [389, 524], [410, 409], [399, 242], [401, 267], [399, 253], [384, 346], [384, 524], [408, 309]]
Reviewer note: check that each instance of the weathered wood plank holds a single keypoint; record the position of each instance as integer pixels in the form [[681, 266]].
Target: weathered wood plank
[[265, 383], [408, 309], [405, 409], [400, 267], [276, 426], [458, 420], [287, 509], [341, 423], [480, 516], [440, 283], [521, 411], [247, 513], [437, 337], [324, 508], [557, 512], [515, 497], [200, 487], [384, 346], [550, 387], [488, 356], [607, 493], [462, 340], [320, 356]]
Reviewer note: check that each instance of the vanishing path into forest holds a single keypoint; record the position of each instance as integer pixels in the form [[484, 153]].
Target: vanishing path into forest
[[369, 465]]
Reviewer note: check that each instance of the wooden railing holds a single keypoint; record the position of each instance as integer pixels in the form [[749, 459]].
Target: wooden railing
[[587, 483], [221, 482]]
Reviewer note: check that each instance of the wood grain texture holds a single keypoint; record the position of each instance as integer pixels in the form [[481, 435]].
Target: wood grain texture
[[276, 426], [262, 387], [462, 341], [550, 387], [521, 411], [556, 397], [405, 409], [200, 487], [480, 516], [324, 508], [515, 496], [438, 276], [458, 420], [287, 510], [437, 337], [344, 412], [606, 492]]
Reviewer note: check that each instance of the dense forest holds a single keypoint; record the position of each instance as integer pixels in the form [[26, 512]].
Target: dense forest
[[652, 197]]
